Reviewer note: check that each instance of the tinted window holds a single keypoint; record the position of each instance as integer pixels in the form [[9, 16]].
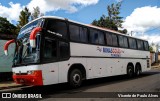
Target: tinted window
[[93, 36], [108, 39], [146, 47], [57, 27], [64, 50], [121, 41], [132, 43], [140, 44], [125, 41], [114, 40], [96, 37], [101, 37], [74, 32], [83, 34], [50, 49]]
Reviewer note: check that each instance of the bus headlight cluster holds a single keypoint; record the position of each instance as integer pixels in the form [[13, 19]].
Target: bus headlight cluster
[[30, 72], [13, 73]]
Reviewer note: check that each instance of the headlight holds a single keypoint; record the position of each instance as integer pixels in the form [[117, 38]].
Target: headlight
[[13, 73], [30, 72]]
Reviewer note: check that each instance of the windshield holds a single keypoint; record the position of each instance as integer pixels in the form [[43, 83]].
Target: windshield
[[25, 31], [24, 53]]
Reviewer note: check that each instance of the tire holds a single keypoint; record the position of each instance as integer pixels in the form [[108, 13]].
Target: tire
[[137, 70], [130, 71], [75, 78]]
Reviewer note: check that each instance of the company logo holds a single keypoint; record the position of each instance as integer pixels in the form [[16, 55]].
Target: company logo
[[99, 49], [6, 95]]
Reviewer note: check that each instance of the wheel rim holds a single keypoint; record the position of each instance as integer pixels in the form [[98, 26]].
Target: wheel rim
[[138, 72], [76, 78], [130, 72]]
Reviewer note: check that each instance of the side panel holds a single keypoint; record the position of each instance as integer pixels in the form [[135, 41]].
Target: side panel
[[50, 73]]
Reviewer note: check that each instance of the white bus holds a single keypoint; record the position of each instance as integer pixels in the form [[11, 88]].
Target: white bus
[[52, 50]]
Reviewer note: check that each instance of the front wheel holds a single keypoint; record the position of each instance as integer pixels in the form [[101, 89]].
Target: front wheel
[[75, 78]]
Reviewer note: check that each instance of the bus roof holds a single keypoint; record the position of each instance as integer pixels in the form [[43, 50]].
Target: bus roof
[[87, 25]]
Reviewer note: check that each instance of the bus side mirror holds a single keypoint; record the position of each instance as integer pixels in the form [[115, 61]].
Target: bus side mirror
[[6, 46], [33, 36]]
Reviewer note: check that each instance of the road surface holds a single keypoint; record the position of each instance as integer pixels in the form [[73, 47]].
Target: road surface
[[104, 89]]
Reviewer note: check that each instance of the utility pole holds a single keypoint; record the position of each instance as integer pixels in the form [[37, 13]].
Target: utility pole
[[131, 33]]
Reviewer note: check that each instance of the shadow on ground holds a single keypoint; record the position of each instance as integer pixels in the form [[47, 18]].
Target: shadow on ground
[[58, 89]]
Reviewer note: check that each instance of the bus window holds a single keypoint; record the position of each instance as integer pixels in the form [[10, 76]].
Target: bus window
[[50, 49], [101, 38], [74, 32], [108, 39], [121, 41], [83, 34], [93, 36], [132, 43], [58, 27], [125, 41], [64, 50], [140, 44], [114, 40], [146, 47]]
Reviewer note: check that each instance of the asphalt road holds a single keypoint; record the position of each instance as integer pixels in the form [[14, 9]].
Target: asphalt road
[[104, 89]]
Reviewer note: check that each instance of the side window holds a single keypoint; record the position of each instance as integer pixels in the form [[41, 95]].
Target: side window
[[125, 41], [50, 49], [140, 44], [96, 37], [93, 36], [74, 32], [108, 39], [114, 40], [59, 27], [146, 47], [132, 43], [83, 34], [64, 50], [101, 38], [121, 41]]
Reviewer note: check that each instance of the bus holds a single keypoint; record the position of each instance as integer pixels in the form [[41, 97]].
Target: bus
[[52, 50]]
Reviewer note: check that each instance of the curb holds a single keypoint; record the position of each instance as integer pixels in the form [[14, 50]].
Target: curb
[[9, 87], [155, 66]]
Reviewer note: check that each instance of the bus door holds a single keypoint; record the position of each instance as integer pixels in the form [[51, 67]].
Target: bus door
[[50, 58]]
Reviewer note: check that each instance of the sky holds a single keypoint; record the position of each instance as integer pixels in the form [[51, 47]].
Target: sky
[[141, 17]]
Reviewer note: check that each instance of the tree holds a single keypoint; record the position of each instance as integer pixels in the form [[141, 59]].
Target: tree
[[23, 17], [6, 27], [151, 49], [36, 13], [113, 14], [105, 22], [113, 20], [7, 30]]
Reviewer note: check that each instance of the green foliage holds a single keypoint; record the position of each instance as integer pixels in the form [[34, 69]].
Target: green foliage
[[113, 14], [24, 17], [113, 20], [6, 27], [151, 49], [105, 22], [36, 13]]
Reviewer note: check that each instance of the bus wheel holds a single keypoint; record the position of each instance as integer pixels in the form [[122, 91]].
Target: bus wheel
[[130, 71], [137, 70], [75, 78]]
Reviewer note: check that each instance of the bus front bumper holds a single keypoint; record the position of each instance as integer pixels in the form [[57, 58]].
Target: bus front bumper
[[29, 79]]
